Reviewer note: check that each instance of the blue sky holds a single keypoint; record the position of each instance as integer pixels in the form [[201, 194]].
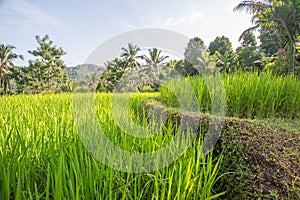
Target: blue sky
[[80, 26]]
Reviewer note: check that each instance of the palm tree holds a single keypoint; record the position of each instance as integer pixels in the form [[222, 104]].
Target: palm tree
[[260, 11], [287, 16], [155, 57], [130, 55], [172, 64], [6, 60], [283, 16]]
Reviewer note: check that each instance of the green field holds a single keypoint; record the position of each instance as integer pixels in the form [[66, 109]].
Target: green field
[[42, 155]]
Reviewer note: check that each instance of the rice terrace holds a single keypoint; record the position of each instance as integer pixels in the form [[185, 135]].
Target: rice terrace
[[152, 113]]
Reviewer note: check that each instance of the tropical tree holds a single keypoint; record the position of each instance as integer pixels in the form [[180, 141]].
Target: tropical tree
[[7, 56], [225, 62], [48, 67], [269, 41], [155, 57], [248, 53], [177, 65], [92, 81], [287, 16], [261, 14], [130, 56], [193, 52], [221, 44], [282, 15], [115, 69]]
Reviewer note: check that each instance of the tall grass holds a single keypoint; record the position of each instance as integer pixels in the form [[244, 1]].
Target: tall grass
[[42, 156], [248, 95]]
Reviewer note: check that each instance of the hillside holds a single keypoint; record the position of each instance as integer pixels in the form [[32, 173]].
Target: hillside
[[80, 72]]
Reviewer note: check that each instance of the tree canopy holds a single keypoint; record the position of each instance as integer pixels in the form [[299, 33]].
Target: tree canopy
[[7, 56], [220, 44]]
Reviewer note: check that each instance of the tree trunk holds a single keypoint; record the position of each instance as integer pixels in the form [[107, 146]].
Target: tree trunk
[[292, 57], [48, 80], [5, 85]]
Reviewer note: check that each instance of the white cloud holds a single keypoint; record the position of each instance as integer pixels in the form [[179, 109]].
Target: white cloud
[[187, 19], [127, 25], [29, 13]]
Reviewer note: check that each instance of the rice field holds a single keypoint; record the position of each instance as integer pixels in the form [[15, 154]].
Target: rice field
[[248, 95], [47, 148], [42, 156]]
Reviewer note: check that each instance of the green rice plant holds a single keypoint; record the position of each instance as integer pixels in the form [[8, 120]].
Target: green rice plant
[[43, 157], [248, 95]]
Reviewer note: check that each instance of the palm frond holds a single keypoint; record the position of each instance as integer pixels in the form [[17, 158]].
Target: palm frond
[[249, 30]]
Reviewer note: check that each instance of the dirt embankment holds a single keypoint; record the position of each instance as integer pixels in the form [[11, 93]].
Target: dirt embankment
[[261, 160]]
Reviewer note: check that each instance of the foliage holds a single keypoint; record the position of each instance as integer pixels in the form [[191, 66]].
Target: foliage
[[269, 41], [248, 54], [193, 52], [130, 56], [282, 15], [155, 57], [7, 56], [46, 71], [222, 45], [225, 62], [115, 69], [42, 155], [277, 67], [248, 95]]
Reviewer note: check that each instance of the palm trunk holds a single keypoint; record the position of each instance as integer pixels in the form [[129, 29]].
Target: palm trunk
[[5, 85], [1, 78], [292, 58]]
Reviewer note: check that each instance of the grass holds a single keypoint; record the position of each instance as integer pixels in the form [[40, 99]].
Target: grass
[[261, 159], [248, 95], [254, 163], [44, 140], [43, 157]]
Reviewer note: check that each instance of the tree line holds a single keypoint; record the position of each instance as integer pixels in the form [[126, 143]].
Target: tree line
[[43, 74], [278, 51]]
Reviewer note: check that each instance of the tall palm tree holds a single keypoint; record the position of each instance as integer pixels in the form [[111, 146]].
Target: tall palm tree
[[155, 57], [287, 15], [6, 60], [260, 11], [283, 15], [130, 55]]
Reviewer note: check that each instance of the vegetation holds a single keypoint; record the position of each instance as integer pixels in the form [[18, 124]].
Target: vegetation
[[248, 95], [279, 16], [257, 156], [6, 56], [42, 156], [261, 160], [220, 44]]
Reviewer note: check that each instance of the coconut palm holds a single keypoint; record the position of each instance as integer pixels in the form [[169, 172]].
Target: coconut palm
[[287, 16], [130, 56], [283, 15], [261, 14], [155, 57], [7, 56]]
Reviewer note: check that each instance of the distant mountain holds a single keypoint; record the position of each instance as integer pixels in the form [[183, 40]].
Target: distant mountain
[[80, 72]]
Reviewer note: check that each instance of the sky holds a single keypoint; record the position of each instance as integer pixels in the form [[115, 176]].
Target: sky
[[79, 27]]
